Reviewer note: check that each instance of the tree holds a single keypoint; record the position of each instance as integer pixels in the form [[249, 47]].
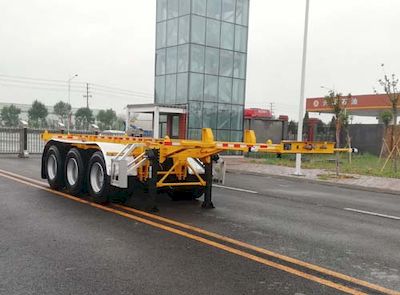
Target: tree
[[338, 104], [106, 118], [119, 124], [386, 117], [292, 127], [389, 84], [83, 117], [37, 114], [62, 109], [345, 121], [10, 115], [305, 122]]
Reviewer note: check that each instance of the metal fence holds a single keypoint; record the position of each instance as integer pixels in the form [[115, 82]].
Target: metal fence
[[10, 140]]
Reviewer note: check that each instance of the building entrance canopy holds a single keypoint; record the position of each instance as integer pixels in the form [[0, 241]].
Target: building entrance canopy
[[358, 105], [156, 110]]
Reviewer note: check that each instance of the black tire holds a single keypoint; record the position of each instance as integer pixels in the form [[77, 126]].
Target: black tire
[[186, 194], [74, 172], [54, 168], [98, 182]]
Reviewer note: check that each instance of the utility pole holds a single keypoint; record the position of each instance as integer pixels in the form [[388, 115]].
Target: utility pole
[[87, 96], [302, 87], [271, 108]]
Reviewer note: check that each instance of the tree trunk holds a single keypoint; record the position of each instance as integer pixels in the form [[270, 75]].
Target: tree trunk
[[349, 144], [337, 145], [394, 140]]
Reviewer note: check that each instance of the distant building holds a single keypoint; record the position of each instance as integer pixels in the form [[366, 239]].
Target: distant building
[[265, 125], [368, 105]]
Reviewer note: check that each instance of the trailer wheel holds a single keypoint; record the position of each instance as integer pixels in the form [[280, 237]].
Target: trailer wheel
[[97, 179], [54, 171], [74, 172], [188, 194]]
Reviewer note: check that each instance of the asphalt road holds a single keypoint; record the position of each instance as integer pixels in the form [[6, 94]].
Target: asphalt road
[[51, 244]]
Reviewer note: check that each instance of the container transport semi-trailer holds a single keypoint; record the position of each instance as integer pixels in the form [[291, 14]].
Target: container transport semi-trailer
[[106, 166]]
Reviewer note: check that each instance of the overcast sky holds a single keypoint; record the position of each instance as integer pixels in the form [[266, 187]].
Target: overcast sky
[[112, 43]]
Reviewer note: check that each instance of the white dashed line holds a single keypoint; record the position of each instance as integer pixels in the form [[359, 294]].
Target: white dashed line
[[235, 189], [373, 213]]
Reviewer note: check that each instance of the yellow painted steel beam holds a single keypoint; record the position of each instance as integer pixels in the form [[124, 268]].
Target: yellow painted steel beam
[[204, 148]]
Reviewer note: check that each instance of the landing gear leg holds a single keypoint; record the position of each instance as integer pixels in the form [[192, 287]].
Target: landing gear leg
[[208, 204], [154, 162]]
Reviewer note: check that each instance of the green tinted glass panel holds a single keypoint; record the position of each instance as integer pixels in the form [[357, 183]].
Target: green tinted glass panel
[[161, 10], [170, 89], [194, 134], [172, 8], [184, 7], [237, 136], [199, 7], [198, 29], [225, 90], [197, 58], [212, 61], [238, 91], [223, 135], [196, 86], [213, 31], [227, 35], [182, 88], [210, 88], [210, 115], [228, 10], [224, 116], [161, 34], [226, 63], [242, 12], [239, 65], [237, 117], [214, 9], [171, 60], [172, 32], [184, 25], [160, 89], [240, 38], [195, 114], [183, 58], [160, 62]]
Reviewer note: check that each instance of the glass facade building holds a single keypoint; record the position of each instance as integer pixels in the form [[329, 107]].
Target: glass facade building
[[201, 57]]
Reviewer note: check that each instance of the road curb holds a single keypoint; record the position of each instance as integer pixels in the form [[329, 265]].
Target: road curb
[[315, 181]]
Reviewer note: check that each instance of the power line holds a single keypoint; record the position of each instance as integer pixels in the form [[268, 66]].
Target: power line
[[35, 83], [35, 79], [53, 82], [122, 90], [37, 88], [61, 83]]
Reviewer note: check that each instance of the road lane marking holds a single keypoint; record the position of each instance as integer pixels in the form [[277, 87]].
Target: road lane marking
[[40, 185], [262, 250], [24, 177], [235, 189], [372, 213]]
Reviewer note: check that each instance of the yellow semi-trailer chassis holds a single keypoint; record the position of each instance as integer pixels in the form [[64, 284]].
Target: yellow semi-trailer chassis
[[102, 165]]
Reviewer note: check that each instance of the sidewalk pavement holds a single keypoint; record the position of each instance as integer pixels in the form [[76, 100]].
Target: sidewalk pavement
[[371, 183]]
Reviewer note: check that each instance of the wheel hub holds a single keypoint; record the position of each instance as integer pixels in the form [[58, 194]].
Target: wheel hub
[[72, 171], [97, 177]]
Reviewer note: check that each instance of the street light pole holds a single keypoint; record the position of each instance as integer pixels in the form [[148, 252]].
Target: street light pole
[[302, 87], [69, 101]]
